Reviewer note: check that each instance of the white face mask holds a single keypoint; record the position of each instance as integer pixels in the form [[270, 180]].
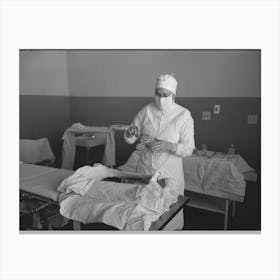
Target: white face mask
[[164, 103]]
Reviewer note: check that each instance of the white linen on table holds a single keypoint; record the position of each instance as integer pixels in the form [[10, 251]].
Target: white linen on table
[[240, 163], [215, 176], [124, 206], [35, 151], [42, 180]]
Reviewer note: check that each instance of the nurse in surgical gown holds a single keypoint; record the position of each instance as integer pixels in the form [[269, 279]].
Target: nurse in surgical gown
[[167, 131]]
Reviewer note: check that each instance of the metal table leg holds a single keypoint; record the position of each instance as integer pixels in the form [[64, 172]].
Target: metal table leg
[[233, 208], [76, 225], [226, 214], [87, 155]]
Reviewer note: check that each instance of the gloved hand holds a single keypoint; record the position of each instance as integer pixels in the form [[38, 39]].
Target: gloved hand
[[162, 146], [132, 131], [146, 139]]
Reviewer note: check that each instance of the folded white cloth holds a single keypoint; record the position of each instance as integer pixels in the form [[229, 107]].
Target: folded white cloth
[[109, 157], [69, 146], [35, 151]]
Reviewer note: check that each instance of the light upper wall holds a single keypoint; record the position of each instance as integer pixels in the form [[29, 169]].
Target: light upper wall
[[43, 72], [200, 73]]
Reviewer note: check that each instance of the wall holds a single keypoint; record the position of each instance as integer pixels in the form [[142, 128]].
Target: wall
[[43, 73], [109, 87], [59, 88], [44, 96], [133, 73], [228, 127]]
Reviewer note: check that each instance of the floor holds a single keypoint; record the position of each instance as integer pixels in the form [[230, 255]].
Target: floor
[[247, 217]]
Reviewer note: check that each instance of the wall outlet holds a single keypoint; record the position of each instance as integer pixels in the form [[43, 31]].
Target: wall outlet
[[217, 109], [206, 116], [252, 119]]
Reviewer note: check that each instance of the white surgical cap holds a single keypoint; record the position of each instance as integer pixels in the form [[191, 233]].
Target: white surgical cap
[[167, 81]]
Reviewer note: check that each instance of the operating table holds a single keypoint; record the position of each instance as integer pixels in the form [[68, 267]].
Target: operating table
[[40, 183]]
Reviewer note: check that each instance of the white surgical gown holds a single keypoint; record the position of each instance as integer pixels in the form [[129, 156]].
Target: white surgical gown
[[175, 126]]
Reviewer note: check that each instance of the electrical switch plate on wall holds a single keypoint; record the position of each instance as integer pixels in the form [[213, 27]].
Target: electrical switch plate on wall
[[252, 119], [206, 116], [217, 109]]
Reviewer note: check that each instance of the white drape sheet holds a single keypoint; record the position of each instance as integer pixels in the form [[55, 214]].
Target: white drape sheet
[[85, 198]]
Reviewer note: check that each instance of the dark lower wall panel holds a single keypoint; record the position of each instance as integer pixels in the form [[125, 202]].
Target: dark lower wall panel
[[49, 116], [229, 127], [45, 116]]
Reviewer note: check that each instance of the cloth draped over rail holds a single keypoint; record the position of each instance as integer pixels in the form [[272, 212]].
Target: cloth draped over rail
[[69, 143], [109, 157]]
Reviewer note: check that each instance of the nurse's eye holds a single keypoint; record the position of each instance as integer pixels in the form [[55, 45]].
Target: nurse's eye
[[161, 95]]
